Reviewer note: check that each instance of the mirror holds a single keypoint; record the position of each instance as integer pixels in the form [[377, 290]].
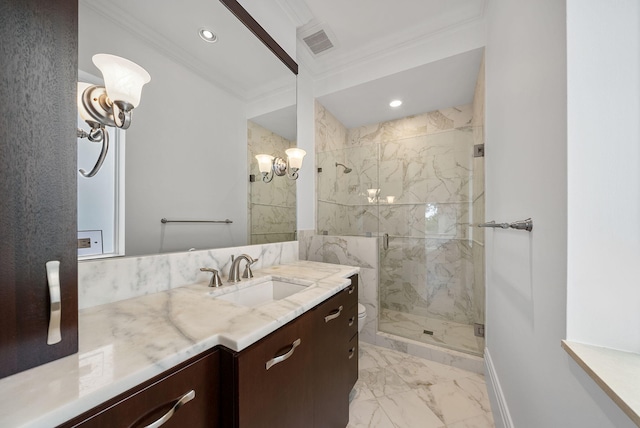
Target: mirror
[[186, 152]]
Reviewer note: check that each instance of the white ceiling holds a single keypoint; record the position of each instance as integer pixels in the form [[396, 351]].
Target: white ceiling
[[360, 29], [366, 29], [172, 29], [441, 84]]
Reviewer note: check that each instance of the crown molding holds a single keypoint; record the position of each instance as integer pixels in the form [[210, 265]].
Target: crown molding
[[335, 63], [297, 11], [165, 46]]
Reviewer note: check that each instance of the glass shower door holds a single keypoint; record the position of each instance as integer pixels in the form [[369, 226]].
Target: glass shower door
[[431, 192]]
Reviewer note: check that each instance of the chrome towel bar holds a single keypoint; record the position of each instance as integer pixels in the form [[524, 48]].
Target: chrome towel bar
[[520, 225], [227, 221]]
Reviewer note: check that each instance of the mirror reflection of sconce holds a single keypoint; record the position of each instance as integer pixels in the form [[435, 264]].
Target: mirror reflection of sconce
[[111, 104], [270, 166], [373, 195]]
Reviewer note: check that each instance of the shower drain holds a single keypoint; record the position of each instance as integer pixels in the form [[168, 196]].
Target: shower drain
[[429, 332]]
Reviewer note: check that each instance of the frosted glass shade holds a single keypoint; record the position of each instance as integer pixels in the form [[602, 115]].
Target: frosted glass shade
[[81, 110], [123, 79], [264, 163], [295, 157]]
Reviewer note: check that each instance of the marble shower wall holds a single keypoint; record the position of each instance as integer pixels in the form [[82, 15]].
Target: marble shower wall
[[414, 179], [272, 206]]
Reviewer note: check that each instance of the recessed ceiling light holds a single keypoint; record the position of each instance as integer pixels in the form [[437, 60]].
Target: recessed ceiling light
[[395, 103], [207, 35]]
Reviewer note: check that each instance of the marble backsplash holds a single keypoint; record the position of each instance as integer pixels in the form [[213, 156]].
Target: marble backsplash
[[103, 281]]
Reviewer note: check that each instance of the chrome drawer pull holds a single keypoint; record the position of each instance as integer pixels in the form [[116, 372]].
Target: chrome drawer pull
[[55, 313], [351, 321], [181, 402], [281, 358], [351, 289], [333, 315], [352, 352]]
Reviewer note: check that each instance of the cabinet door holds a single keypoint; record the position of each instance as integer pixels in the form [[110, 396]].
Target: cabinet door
[[274, 379], [333, 323], [196, 384], [38, 65]]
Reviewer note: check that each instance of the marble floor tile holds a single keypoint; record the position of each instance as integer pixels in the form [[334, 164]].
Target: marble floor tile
[[407, 409], [398, 390], [368, 414]]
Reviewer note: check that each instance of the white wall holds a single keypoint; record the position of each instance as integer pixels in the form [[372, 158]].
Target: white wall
[[526, 176], [185, 156], [604, 173]]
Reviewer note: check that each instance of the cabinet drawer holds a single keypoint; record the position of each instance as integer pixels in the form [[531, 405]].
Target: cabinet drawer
[[142, 407], [274, 379]]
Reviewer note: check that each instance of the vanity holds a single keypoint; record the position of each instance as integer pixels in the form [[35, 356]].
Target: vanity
[[138, 357]]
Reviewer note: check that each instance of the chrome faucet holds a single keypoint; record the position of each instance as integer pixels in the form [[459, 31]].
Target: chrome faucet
[[234, 272]]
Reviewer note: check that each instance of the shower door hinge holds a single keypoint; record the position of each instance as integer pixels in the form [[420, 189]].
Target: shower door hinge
[[478, 151], [478, 330]]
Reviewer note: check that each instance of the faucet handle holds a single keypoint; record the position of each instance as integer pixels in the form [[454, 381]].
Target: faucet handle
[[215, 279], [248, 273]]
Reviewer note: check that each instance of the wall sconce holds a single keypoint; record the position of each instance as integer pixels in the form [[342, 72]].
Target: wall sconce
[[270, 165], [111, 104]]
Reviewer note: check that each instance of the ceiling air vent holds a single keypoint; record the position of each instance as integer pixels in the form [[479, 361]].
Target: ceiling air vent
[[318, 42], [317, 37]]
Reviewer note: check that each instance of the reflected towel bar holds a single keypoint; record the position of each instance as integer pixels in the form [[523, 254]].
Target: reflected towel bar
[[520, 225], [226, 221]]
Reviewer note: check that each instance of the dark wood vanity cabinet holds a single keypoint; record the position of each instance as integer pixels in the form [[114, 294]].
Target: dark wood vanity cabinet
[[38, 69], [335, 363], [299, 376], [274, 379], [195, 382], [309, 384]]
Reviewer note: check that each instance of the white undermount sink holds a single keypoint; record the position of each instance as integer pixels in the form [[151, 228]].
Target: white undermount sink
[[259, 293]]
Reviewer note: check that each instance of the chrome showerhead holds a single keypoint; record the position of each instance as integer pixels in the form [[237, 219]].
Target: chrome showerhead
[[347, 170]]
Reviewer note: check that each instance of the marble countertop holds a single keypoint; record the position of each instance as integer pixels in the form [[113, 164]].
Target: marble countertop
[[616, 372], [124, 343]]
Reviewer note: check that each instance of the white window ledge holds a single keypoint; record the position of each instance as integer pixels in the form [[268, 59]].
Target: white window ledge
[[616, 372]]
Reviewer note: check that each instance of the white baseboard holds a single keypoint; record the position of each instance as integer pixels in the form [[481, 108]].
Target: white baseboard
[[502, 418]]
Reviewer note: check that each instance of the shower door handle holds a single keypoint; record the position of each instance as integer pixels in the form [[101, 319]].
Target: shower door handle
[[385, 241]]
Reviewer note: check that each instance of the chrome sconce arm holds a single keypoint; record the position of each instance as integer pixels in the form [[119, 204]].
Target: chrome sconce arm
[[271, 166], [124, 80], [98, 134]]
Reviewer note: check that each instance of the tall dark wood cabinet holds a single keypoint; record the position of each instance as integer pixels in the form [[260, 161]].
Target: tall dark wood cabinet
[[38, 74]]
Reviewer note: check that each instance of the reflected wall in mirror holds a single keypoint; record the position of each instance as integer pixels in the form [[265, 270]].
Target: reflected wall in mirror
[[272, 206], [187, 149]]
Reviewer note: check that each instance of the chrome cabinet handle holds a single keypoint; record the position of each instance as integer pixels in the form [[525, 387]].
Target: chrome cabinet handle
[[351, 321], [351, 289], [352, 352], [272, 362], [333, 315], [181, 402], [55, 312]]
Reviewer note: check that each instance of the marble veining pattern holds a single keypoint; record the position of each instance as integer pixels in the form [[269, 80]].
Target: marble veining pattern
[[127, 342], [415, 179], [103, 281], [397, 390]]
